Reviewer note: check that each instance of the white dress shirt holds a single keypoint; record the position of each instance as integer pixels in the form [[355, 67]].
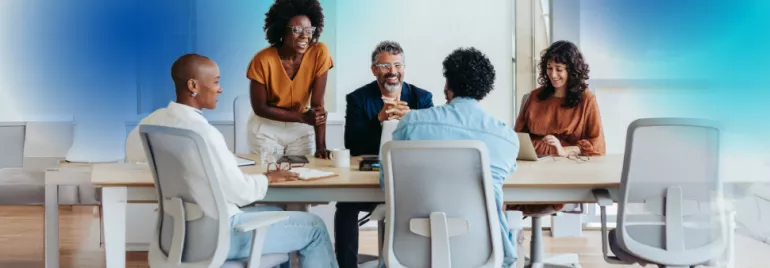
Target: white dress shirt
[[239, 189]]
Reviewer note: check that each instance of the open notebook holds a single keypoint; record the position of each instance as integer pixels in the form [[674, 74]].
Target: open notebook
[[312, 174]]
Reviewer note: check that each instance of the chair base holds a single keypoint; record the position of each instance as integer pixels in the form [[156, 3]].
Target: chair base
[[370, 264], [570, 260], [363, 258]]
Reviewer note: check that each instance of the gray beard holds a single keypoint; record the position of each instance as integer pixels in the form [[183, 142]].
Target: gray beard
[[391, 88]]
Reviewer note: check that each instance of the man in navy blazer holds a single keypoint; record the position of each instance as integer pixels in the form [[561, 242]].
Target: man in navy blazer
[[386, 98]]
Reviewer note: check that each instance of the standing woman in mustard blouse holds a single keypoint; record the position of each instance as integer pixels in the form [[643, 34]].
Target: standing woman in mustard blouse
[[288, 82]]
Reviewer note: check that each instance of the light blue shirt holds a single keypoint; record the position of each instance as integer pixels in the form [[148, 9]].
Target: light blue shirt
[[464, 119]]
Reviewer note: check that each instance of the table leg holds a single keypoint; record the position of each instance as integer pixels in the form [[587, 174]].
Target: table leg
[[730, 256], [51, 226], [114, 201]]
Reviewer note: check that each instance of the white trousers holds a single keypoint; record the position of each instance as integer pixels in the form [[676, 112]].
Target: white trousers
[[292, 138]]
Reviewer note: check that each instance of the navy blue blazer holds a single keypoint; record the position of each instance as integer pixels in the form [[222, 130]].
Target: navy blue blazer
[[362, 128]]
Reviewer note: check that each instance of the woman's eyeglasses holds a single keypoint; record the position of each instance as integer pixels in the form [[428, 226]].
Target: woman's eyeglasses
[[298, 30], [578, 158], [574, 157]]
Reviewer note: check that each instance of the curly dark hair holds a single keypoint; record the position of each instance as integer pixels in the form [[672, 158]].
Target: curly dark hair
[[277, 18], [564, 52], [469, 73]]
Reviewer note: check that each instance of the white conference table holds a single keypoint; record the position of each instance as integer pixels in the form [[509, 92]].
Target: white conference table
[[552, 180]]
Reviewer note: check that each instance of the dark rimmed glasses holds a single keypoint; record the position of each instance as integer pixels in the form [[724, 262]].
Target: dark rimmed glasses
[[283, 166], [298, 30]]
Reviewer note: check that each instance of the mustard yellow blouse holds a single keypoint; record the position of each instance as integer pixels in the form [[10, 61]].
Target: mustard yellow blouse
[[266, 68]]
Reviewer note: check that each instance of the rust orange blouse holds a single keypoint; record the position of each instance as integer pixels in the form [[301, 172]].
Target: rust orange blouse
[[577, 126], [266, 68]]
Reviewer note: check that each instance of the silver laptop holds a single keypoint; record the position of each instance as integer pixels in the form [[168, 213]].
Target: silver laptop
[[527, 149]]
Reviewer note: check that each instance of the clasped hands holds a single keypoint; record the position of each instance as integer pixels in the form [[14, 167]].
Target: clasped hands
[[393, 110], [315, 116]]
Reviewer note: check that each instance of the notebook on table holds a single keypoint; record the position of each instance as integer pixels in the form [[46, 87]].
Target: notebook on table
[[307, 174], [244, 161]]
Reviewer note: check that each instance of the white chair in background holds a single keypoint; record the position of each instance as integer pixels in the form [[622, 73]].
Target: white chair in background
[[12, 144], [18, 186], [97, 141], [441, 209], [185, 236], [29, 149], [388, 126], [671, 209], [242, 112]]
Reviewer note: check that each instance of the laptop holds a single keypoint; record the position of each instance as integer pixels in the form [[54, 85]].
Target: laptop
[[527, 149]]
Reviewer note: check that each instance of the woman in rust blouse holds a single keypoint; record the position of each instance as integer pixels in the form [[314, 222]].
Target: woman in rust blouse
[[562, 115]]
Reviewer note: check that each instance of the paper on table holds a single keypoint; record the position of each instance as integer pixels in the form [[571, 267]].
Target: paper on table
[[309, 174], [244, 161]]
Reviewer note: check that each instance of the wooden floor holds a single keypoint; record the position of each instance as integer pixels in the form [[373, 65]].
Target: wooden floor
[[21, 242]]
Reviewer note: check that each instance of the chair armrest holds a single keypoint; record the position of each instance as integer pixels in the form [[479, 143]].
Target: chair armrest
[[602, 197], [259, 226], [260, 222], [379, 213]]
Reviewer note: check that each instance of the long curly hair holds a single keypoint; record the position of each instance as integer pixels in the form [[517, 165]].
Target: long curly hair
[[277, 18], [469, 73], [564, 52]]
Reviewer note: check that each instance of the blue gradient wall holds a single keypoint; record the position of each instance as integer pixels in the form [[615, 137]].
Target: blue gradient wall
[[102, 61], [707, 58], [75, 57], [105, 62], [89, 58]]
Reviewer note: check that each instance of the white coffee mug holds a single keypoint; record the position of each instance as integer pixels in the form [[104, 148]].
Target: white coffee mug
[[340, 157]]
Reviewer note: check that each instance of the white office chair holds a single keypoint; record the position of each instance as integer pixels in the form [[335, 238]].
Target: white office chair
[[17, 186], [187, 234], [12, 141], [441, 209], [670, 206], [242, 111], [26, 150]]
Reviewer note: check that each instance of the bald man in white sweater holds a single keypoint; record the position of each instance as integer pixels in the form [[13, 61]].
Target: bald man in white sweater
[[196, 79]]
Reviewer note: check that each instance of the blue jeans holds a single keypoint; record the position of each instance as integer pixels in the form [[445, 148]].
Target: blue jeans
[[303, 232]]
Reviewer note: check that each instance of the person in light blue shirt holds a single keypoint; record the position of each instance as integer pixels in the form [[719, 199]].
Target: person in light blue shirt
[[469, 78]]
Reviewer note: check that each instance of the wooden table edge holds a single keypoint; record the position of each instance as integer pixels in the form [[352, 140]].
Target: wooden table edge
[[369, 186]]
